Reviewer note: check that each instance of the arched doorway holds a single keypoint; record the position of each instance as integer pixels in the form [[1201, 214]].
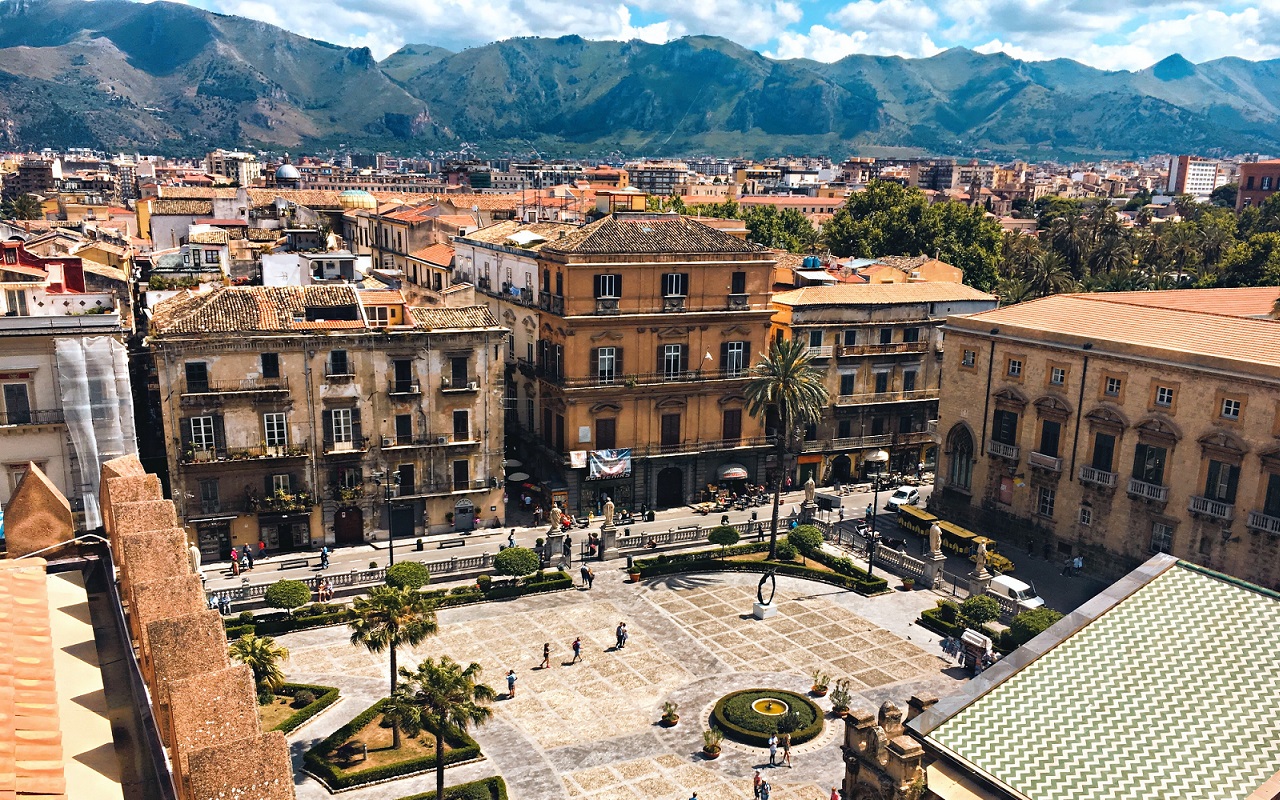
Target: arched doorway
[[960, 466], [348, 526], [841, 468], [670, 487]]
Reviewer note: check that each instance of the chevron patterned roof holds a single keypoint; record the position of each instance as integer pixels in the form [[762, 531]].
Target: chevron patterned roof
[[1169, 695]]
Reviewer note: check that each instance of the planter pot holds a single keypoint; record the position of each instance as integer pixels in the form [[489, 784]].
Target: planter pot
[[908, 584], [842, 713], [635, 577], [668, 722], [819, 691], [710, 755]]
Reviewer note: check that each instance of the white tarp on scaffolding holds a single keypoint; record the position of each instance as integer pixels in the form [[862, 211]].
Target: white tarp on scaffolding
[[93, 376]]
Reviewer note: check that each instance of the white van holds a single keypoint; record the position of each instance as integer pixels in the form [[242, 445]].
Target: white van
[[1020, 593]]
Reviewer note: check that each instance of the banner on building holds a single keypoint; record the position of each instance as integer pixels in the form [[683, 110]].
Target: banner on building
[[609, 464], [577, 459]]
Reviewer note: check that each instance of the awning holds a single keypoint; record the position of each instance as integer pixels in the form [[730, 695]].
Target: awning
[[732, 472], [518, 476]]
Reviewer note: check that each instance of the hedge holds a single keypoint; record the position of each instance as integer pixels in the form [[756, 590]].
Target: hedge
[[934, 619], [722, 712], [710, 561], [494, 788], [325, 697], [464, 748]]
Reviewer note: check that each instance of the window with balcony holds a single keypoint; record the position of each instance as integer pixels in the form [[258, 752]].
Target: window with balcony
[[1004, 427], [911, 335], [274, 430], [270, 365], [850, 337], [1164, 396], [815, 338], [1050, 432], [1230, 408], [462, 425], [461, 475], [1221, 482], [1104, 452], [349, 477], [608, 286], [675, 284], [738, 283], [281, 483], [670, 429], [197, 376], [886, 336], [1044, 501], [731, 425], [606, 433], [1148, 463], [1161, 538], [17, 405], [607, 364], [404, 428], [844, 429], [460, 372], [969, 358], [203, 433], [909, 380], [847, 382], [733, 357], [673, 360], [341, 425], [339, 363], [1015, 368]]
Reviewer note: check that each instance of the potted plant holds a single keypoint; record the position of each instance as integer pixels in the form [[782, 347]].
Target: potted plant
[[711, 739], [820, 683], [634, 573], [840, 698], [908, 583], [669, 715]]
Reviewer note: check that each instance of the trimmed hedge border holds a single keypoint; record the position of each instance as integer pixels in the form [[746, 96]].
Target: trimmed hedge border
[[464, 748], [494, 788], [931, 619], [444, 598], [325, 697], [757, 738], [711, 561]]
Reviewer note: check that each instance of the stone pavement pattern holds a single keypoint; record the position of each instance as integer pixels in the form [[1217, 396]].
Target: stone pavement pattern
[[590, 730]]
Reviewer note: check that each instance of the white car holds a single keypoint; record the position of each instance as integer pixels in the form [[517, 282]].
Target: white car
[[903, 496]]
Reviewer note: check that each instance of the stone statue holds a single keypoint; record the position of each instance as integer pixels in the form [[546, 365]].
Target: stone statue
[[193, 555], [608, 512], [935, 539], [809, 490], [555, 515], [980, 560]]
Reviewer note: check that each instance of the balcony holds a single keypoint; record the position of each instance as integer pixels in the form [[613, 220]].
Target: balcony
[[207, 392], [436, 487], [551, 302], [1042, 461], [1098, 477], [881, 349], [514, 294], [669, 304], [716, 445], [397, 387], [821, 351], [1258, 521], [608, 306], [740, 302], [1002, 450], [869, 398], [356, 445], [1212, 508], [448, 385], [16, 418], [654, 378], [280, 502], [428, 440], [338, 372], [1148, 491]]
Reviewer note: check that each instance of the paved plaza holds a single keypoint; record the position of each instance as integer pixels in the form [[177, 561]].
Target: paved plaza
[[589, 730]]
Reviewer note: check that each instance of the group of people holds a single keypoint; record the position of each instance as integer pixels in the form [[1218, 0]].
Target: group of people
[[242, 558], [1073, 566]]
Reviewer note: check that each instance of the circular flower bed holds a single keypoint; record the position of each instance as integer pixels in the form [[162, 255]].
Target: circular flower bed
[[735, 715]]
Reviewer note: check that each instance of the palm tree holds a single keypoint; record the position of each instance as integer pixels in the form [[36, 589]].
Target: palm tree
[[388, 618], [1013, 290], [786, 386], [262, 655], [1049, 275], [441, 696], [1112, 252], [1069, 236], [24, 206]]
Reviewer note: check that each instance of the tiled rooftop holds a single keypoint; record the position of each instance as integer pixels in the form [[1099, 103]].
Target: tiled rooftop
[[438, 254], [453, 318], [501, 232], [650, 234], [1251, 301], [181, 208], [238, 309], [880, 293]]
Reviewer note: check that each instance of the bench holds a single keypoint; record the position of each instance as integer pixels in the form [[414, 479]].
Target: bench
[[451, 543], [294, 563]]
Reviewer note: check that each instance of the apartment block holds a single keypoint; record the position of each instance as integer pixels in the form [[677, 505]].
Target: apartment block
[[1258, 181]]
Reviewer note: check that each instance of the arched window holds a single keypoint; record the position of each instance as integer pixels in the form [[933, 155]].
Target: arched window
[[960, 468]]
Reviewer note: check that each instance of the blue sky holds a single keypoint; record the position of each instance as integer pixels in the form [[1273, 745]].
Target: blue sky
[[1110, 34]]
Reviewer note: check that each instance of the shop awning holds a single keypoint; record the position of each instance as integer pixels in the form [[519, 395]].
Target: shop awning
[[516, 477], [732, 472]]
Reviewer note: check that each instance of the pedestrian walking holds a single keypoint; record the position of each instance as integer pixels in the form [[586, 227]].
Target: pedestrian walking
[[262, 549], [511, 538], [567, 550], [620, 634], [511, 684], [786, 749], [835, 793], [586, 576], [546, 656], [577, 650], [1078, 564], [773, 749], [591, 577], [842, 513], [324, 557], [765, 790], [247, 553], [871, 512], [537, 515], [625, 634], [756, 783]]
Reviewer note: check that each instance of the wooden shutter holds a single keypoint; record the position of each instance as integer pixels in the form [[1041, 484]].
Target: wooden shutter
[[595, 362], [724, 356], [355, 427], [597, 284], [661, 366], [617, 361], [219, 433], [327, 417], [684, 358], [184, 434], [617, 285]]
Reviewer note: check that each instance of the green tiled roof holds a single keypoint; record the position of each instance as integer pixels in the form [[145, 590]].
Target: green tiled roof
[[1173, 694]]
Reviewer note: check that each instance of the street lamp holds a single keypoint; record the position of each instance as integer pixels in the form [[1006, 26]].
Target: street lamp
[[879, 458], [389, 490]]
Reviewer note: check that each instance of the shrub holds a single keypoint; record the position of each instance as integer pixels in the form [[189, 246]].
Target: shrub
[[786, 551], [265, 696], [948, 610], [488, 789], [723, 535], [246, 617], [303, 698], [411, 574], [287, 595], [516, 561], [236, 631], [484, 582], [324, 696], [806, 539], [979, 610], [710, 561], [1026, 626], [734, 715]]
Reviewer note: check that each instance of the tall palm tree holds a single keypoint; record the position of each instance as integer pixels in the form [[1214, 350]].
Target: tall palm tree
[[1111, 253], [1069, 236], [1013, 290], [24, 206], [786, 385], [388, 618], [262, 655], [440, 696], [1049, 275]]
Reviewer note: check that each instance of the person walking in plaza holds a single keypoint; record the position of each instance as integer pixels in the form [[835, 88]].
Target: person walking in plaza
[[567, 550], [620, 635], [765, 790], [247, 553], [577, 650], [546, 656], [786, 749], [511, 684], [625, 634], [756, 783], [235, 562], [773, 749], [586, 576], [1077, 565], [262, 549]]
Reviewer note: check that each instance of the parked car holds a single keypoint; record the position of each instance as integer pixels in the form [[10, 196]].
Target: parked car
[[903, 496], [1021, 593]]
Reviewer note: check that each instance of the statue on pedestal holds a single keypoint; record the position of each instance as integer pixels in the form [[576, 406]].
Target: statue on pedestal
[[809, 490], [935, 539], [555, 516], [608, 512], [980, 560]]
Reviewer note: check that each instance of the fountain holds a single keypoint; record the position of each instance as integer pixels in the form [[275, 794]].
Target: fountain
[[770, 707]]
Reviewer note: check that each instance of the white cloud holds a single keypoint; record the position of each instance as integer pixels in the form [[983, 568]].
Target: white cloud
[[824, 44], [887, 15]]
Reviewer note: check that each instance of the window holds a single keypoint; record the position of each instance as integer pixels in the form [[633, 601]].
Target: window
[[608, 286], [969, 358], [672, 360], [606, 369], [850, 338], [731, 427], [911, 335], [606, 433], [404, 429], [675, 284], [1044, 502], [1161, 538], [281, 483], [1148, 463], [460, 372], [350, 477], [1112, 386], [379, 315], [882, 382], [1266, 183], [909, 380], [270, 365], [1220, 484], [1004, 427], [1248, 184], [202, 435], [16, 301], [844, 429], [810, 432], [733, 357], [211, 256], [670, 429], [17, 405], [1015, 368], [273, 429], [815, 338], [1230, 409], [846, 383], [462, 425], [461, 475], [1164, 396], [1050, 432], [738, 283], [1057, 376], [1271, 503], [209, 498], [886, 336], [342, 424], [338, 364], [197, 376], [1104, 450], [1086, 516]]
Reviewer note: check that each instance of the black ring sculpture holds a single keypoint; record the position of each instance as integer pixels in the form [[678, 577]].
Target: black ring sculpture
[[773, 587]]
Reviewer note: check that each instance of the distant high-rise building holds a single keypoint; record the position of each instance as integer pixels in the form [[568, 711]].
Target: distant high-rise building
[[1192, 175], [241, 168]]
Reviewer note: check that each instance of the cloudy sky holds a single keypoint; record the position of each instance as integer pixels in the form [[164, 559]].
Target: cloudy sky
[[1111, 34]]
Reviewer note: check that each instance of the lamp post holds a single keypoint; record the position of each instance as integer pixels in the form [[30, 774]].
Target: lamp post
[[879, 458], [389, 490]]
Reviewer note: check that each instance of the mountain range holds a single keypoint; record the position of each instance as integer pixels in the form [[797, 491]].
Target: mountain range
[[167, 77]]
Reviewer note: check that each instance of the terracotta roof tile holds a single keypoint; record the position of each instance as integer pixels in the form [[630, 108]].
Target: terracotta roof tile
[[311, 198], [467, 317], [500, 232], [235, 309], [880, 293], [181, 208], [438, 254], [1251, 301], [209, 237], [649, 233]]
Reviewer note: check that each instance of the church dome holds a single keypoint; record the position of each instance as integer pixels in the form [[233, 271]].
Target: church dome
[[288, 172], [356, 198]]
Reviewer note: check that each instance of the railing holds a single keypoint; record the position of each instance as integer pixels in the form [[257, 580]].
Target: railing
[[440, 486], [296, 450], [51, 417], [1002, 450], [821, 351], [607, 305], [881, 349], [339, 371], [672, 304], [361, 577], [886, 397], [246, 385], [357, 444], [702, 446], [1212, 508], [404, 387], [523, 296], [654, 378], [297, 501], [551, 302], [1148, 491], [1259, 521], [429, 440], [447, 384], [1098, 477], [1050, 463]]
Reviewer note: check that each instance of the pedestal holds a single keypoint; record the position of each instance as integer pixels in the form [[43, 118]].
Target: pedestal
[[555, 547], [764, 610], [979, 580], [934, 563], [608, 542], [807, 512]]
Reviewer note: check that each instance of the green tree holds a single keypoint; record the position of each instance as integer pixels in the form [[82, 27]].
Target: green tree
[[391, 617], [1140, 199], [1225, 196], [806, 538], [979, 610], [288, 595], [440, 696], [1013, 290], [411, 574], [1254, 262], [1029, 624], [24, 206], [883, 219], [723, 535], [516, 562], [965, 237], [1049, 275], [1069, 236], [785, 230], [262, 655], [786, 392]]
